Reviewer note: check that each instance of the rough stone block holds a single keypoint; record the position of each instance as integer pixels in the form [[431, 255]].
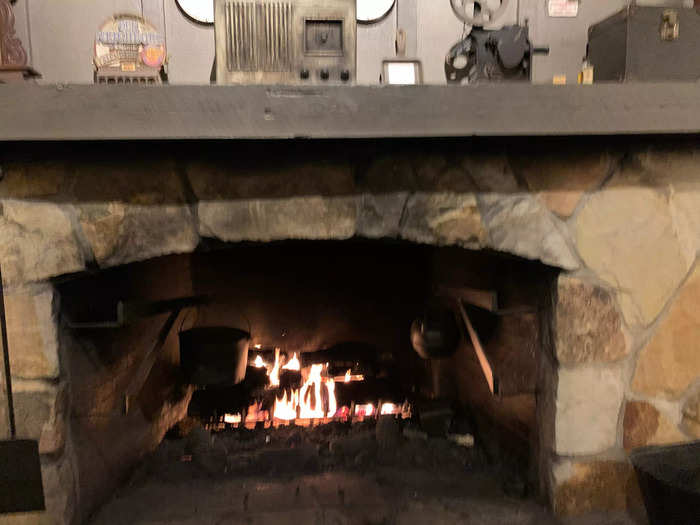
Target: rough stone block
[[587, 410], [630, 238], [121, 233], [644, 425], [269, 219], [32, 332], [38, 242], [38, 407], [443, 218], [691, 415], [581, 488], [671, 361], [561, 179], [521, 225], [588, 326], [380, 215]]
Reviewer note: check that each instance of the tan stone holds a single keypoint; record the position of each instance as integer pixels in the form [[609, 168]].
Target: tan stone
[[490, 173], [23, 518], [121, 233], [629, 238], [598, 486], [443, 218], [588, 403], [644, 425], [562, 178], [588, 325], [671, 360], [270, 219], [32, 332], [36, 242], [691, 415]]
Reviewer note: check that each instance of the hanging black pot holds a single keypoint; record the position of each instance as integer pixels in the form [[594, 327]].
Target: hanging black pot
[[435, 334], [214, 355]]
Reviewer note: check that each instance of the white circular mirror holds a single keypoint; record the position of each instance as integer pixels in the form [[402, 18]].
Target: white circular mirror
[[373, 10], [200, 10]]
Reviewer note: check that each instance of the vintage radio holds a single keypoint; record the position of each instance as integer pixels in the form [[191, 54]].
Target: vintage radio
[[285, 42]]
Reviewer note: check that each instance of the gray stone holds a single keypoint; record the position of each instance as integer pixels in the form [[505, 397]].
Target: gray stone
[[443, 218], [588, 326], [32, 332], [388, 432], [36, 242], [490, 173], [269, 219], [121, 233], [522, 225], [59, 491], [380, 215], [631, 239], [33, 408], [587, 410]]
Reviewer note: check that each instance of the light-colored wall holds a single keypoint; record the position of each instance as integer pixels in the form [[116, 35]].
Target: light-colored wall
[[59, 36]]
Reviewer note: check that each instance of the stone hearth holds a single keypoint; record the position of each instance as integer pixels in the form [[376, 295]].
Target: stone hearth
[[620, 220]]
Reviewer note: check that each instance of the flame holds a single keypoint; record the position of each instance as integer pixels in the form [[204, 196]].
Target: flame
[[311, 408], [287, 409], [364, 410], [275, 372], [388, 408], [232, 419], [259, 363], [348, 376], [293, 364], [258, 346], [332, 403]]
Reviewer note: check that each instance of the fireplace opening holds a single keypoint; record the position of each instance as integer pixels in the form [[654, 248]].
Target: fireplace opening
[[307, 364]]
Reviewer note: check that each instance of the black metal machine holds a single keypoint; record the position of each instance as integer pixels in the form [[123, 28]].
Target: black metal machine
[[495, 56], [646, 44]]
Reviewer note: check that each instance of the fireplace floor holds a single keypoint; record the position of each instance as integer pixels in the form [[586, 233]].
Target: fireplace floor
[[288, 476]]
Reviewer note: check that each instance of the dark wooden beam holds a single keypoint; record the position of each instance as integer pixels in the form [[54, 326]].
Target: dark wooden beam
[[73, 112]]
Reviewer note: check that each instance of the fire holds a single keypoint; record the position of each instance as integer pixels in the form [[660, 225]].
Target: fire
[[287, 409], [259, 363], [364, 410], [389, 408], [348, 376], [275, 372], [332, 403], [293, 364], [232, 419], [311, 406]]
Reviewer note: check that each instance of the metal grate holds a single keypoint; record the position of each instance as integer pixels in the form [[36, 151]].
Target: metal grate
[[258, 36]]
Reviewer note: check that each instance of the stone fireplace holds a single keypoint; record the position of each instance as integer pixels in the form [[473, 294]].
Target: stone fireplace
[[591, 245]]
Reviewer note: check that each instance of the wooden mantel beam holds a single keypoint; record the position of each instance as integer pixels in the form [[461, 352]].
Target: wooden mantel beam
[[87, 112]]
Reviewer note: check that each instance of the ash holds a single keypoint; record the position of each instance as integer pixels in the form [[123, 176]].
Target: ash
[[383, 472]]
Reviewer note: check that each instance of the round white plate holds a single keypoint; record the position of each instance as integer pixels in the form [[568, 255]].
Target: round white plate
[[373, 10], [199, 10]]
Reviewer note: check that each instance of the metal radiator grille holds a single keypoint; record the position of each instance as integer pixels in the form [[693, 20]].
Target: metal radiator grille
[[258, 36]]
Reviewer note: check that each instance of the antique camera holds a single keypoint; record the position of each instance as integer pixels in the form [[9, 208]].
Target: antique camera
[[285, 42]]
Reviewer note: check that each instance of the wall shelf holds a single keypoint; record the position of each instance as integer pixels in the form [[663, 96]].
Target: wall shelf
[[87, 112]]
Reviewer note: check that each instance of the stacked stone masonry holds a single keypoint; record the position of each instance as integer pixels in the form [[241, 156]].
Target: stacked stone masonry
[[622, 223]]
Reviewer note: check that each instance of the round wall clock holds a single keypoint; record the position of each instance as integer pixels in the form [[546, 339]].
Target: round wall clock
[[201, 11], [373, 10]]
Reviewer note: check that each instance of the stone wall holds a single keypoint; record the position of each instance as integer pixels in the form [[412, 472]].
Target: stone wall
[[620, 219]]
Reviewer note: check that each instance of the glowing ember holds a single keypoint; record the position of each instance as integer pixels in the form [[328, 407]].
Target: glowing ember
[[389, 408], [293, 364], [258, 346], [275, 372], [232, 419], [364, 410], [259, 363], [348, 376]]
